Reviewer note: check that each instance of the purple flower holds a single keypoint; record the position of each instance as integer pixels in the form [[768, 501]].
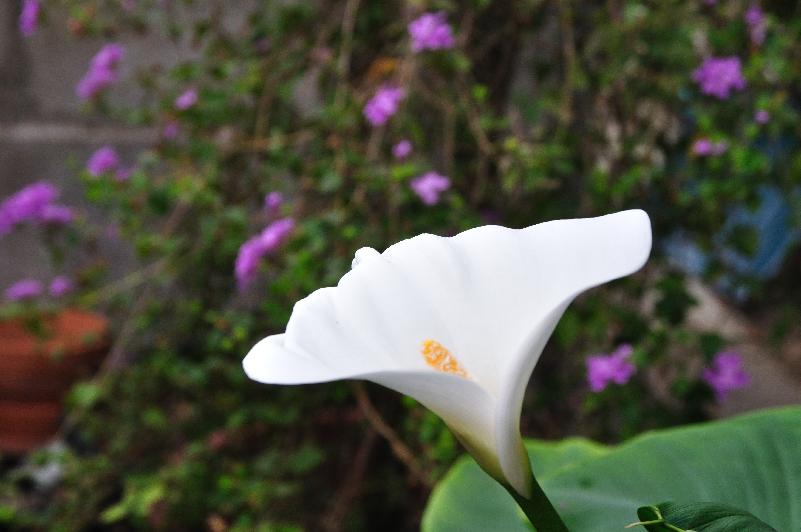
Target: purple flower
[[614, 367], [430, 31], [273, 201], [718, 76], [383, 104], [112, 232], [726, 374], [56, 214], [94, 82], [755, 20], [170, 130], [28, 204], [247, 262], [123, 174], [109, 56], [254, 249], [29, 17], [187, 99], [60, 286], [102, 71], [704, 147], [103, 160], [429, 186], [402, 149], [25, 289], [762, 117], [274, 234]]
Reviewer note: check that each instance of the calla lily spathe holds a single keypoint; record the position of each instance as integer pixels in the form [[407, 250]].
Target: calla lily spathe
[[458, 323]]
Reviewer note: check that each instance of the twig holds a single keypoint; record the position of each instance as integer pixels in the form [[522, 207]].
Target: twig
[[351, 488], [345, 49], [401, 451], [569, 53], [126, 283], [263, 105], [117, 357]]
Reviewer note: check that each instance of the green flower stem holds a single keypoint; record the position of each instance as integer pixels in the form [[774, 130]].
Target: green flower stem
[[538, 509]]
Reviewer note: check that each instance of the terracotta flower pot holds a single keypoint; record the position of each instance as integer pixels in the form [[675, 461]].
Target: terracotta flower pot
[[36, 373]]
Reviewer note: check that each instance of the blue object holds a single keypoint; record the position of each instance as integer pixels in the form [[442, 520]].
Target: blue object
[[773, 223]]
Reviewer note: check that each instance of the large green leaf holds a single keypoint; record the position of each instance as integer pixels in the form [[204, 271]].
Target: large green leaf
[[752, 462]]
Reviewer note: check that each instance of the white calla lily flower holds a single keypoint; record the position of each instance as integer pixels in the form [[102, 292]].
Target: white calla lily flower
[[457, 323]]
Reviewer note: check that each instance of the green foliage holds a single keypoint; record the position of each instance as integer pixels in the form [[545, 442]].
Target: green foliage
[[752, 463]]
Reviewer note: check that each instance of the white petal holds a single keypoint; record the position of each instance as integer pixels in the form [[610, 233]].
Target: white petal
[[460, 402], [491, 296], [271, 363], [566, 257]]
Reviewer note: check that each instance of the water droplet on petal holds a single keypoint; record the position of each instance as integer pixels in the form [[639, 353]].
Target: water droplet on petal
[[361, 255]]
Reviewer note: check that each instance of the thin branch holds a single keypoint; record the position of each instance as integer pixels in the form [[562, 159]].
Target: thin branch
[[263, 105], [351, 487], [569, 59], [128, 282], [118, 357], [401, 451], [346, 49]]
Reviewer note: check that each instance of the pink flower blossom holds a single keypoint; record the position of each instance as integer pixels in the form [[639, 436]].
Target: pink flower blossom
[[762, 117], [56, 214], [429, 186], [383, 104], [726, 374], [31, 203], [402, 149], [24, 289], [186, 99], [719, 76], [109, 56], [254, 249], [123, 173], [60, 286], [757, 27], [273, 201], [102, 71], [616, 367], [430, 31], [705, 147], [94, 82], [112, 231], [29, 17], [170, 130], [102, 161]]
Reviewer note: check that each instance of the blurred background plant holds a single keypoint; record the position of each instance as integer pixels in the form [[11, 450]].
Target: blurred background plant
[[312, 129], [30, 300]]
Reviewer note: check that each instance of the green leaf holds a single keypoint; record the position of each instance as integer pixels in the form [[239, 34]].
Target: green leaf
[[700, 516], [751, 462], [86, 394]]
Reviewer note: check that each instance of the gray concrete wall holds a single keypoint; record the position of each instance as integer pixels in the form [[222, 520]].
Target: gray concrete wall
[[44, 126]]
